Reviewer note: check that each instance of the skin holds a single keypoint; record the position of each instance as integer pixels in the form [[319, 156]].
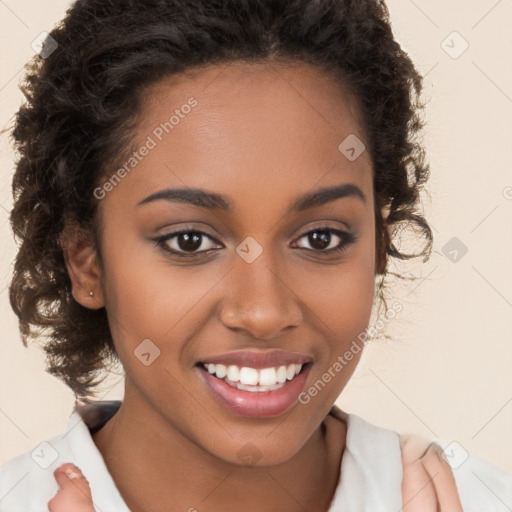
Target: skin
[[74, 494], [428, 483], [262, 135]]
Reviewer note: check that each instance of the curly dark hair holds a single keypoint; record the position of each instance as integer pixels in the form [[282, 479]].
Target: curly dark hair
[[82, 103]]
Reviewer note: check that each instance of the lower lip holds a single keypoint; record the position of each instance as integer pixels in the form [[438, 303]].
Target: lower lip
[[259, 404]]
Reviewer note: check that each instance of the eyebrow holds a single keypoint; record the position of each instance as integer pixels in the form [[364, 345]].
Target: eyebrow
[[214, 201]]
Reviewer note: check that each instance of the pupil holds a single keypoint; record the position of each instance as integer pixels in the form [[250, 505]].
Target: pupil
[[189, 241], [323, 238]]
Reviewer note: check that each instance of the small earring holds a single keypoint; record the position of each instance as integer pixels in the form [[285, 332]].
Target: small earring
[[91, 294]]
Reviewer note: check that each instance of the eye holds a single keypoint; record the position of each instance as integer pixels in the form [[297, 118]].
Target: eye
[[187, 242], [321, 240]]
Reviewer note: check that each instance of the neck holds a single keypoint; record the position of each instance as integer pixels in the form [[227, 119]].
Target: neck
[[193, 479]]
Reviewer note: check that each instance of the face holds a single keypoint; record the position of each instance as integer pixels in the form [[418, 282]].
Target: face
[[247, 276]]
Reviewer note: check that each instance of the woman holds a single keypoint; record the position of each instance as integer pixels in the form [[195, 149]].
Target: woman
[[208, 193]]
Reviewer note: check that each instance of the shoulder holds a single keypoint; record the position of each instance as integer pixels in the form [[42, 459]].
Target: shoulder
[[27, 482], [383, 455], [366, 439], [371, 467]]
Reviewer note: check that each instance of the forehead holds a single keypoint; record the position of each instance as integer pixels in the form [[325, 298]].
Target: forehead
[[271, 127], [294, 96]]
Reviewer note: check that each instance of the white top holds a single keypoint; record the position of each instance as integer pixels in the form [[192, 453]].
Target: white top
[[371, 470]]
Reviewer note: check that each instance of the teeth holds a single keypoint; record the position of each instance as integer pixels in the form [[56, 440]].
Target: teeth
[[267, 377], [251, 379], [258, 388], [249, 376], [221, 371], [233, 373], [281, 374]]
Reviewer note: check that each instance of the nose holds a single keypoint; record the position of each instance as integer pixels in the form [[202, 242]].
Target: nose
[[260, 300]]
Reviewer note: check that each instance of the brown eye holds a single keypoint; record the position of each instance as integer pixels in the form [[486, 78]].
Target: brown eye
[[186, 242], [328, 240], [189, 241]]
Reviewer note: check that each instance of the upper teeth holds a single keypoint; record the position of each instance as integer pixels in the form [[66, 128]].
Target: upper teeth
[[251, 376]]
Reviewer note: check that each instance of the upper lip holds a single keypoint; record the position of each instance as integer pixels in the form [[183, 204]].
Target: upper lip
[[258, 359]]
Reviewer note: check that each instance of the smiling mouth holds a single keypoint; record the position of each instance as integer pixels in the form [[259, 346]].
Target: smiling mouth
[[251, 379]]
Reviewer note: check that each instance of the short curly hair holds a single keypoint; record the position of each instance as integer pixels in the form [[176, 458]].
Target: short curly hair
[[82, 103]]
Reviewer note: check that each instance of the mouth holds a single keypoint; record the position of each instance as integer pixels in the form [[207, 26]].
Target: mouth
[[256, 384], [252, 379]]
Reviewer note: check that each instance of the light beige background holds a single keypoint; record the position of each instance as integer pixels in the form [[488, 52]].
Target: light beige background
[[447, 374]]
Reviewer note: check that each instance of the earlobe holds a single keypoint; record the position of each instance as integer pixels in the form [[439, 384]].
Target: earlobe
[[80, 256]]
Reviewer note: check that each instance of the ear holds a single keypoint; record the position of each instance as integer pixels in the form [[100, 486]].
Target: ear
[[381, 259], [79, 251]]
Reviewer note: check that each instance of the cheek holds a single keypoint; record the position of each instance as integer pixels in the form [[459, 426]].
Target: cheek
[[344, 313], [341, 296], [340, 312], [340, 301], [148, 297], [343, 301]]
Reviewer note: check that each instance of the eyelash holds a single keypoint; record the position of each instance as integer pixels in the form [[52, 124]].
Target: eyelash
[[348, 238]]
